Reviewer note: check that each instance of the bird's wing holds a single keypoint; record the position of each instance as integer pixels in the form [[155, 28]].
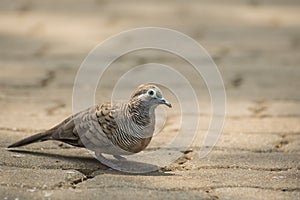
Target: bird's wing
[[76, 127], [92, 128]]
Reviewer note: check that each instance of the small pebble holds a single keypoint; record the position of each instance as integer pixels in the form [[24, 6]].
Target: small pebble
[[18, 156]]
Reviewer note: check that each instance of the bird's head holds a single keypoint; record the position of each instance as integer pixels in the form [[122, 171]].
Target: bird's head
[[149, 94]]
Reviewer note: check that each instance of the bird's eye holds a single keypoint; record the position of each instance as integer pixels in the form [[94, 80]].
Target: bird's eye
[[151, 92]]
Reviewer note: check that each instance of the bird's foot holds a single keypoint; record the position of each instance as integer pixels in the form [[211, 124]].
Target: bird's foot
[[109, 163], [102, 159], [118, 157]]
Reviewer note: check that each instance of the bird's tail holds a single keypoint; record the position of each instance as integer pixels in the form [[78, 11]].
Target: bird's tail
[[32, 139]]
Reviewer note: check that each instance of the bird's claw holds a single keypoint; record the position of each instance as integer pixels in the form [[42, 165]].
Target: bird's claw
[[120, 158]]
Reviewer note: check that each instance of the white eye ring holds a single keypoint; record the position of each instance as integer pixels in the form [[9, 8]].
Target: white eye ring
[[151, 93]]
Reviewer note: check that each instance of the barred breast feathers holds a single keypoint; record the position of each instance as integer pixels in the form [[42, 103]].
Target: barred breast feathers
[[126, 126]]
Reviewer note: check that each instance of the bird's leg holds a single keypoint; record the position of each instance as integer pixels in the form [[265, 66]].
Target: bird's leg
[[107, 162], [102, 159], [118, 157]]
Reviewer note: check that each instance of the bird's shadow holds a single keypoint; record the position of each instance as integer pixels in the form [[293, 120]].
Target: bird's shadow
[[92, 163]]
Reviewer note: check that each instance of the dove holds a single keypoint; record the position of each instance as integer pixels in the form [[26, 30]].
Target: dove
[[111, 128]]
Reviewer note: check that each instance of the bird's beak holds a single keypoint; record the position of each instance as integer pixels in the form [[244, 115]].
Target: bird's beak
[[163, 101]]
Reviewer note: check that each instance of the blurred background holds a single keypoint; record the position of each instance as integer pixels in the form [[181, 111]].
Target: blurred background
[[255, 44]]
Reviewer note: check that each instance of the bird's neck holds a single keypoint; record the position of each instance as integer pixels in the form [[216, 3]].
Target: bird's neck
[[141, 113]]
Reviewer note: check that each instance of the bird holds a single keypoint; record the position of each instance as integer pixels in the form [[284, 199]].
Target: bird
[[121, 128]]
